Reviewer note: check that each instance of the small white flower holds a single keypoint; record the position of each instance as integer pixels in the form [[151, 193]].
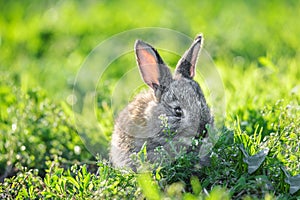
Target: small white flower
[[77, 150], [23, 148], [14, 127]]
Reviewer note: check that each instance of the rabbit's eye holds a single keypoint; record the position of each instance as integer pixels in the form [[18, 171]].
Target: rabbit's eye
[[178, 111]]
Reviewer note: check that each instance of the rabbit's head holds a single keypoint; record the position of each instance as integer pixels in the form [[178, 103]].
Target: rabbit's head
[[179, 99]]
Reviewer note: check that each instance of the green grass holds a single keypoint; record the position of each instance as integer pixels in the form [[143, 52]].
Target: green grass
[[255, 46]]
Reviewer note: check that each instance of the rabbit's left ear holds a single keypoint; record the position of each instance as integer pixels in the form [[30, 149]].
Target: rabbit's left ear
[[186, 66], [153, 69]]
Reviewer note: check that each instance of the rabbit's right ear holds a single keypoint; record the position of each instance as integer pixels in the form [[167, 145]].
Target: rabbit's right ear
[[153, 69], [186, 66]]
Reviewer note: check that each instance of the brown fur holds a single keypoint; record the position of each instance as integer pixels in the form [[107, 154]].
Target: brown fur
[[137, 108]]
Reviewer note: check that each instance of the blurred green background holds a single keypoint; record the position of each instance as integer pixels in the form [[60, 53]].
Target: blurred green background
[[44, 43]]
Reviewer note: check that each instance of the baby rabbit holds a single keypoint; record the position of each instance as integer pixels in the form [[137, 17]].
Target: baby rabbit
[[179, 98]]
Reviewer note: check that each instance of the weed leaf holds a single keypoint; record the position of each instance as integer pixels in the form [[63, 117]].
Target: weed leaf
[[255, 161], [293, 181]]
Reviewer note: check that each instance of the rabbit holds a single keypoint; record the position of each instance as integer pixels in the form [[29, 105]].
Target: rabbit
[[179, 98]]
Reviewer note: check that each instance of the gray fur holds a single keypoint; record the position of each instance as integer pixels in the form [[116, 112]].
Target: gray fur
[[179, 98]]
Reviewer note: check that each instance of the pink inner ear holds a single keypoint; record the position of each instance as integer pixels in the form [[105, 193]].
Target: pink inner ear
[[145, 57], [148, 67], [149, 73], [192, 71], [194, 59]]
